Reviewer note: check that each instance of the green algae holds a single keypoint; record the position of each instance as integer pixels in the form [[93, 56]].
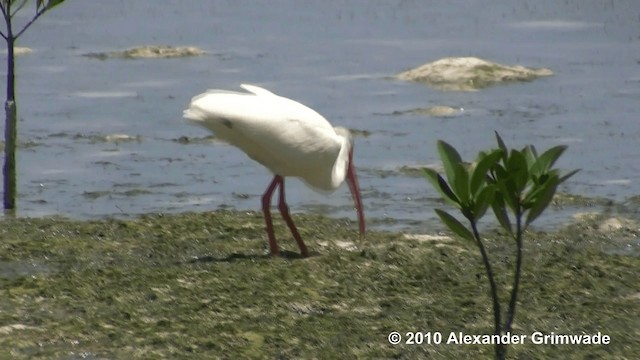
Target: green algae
[[203, 286]]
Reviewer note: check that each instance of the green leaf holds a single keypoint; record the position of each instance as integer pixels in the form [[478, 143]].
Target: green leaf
[[530, 155], [503, 147], [455, 225], [497, 173], [432, 176], [518, 172], [500, 211], [441, 185], [532, 195], [565, 177], [510, 196], [482, 201], [542, 200], [484, 163], [53, 3], [449, 156], [461, 183], [537, 187], [547, 159], [50, 4]]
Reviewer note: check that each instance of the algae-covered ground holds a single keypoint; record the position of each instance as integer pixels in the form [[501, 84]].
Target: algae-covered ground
[[202, 286]]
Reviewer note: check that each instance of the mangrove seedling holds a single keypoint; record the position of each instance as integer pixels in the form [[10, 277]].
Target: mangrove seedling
[[518, 185]]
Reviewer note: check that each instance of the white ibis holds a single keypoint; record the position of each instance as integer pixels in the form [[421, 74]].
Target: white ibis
[[288, 138]]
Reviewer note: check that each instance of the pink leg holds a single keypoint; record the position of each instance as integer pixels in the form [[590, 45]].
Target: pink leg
[[284, 210], [266, 204]]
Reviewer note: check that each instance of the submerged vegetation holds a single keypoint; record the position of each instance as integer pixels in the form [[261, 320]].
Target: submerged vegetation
[[202, 286]]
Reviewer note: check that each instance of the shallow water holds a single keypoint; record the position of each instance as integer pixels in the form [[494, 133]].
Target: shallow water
[[335, 56]]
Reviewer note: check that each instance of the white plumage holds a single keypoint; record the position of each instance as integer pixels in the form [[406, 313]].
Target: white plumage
[[285, 136]]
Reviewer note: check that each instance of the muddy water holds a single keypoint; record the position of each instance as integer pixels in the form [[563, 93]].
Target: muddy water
[[335, 56]]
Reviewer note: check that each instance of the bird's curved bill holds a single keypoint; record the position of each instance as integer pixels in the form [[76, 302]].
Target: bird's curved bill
[[354, 186]]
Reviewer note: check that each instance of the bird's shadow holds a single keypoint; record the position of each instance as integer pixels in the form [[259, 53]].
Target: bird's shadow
[[287, 255]]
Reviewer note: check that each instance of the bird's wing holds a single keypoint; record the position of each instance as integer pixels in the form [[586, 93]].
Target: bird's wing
[[285, 136], [256, 90]]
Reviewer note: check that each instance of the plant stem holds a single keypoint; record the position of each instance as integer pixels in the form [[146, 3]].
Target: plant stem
[[10, 132], [500, 348], [9, 168], [511, 313]]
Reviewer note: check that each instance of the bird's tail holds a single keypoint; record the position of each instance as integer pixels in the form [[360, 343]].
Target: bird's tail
[[194, 114]]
